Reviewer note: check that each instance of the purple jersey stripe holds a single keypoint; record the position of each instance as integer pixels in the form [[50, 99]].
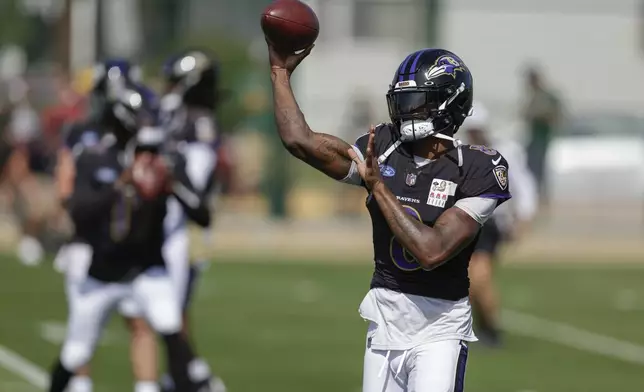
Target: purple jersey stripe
[[401, 70], [495, 196]]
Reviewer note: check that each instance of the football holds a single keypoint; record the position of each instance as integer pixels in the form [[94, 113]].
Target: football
[[290, 25], [149, 175]]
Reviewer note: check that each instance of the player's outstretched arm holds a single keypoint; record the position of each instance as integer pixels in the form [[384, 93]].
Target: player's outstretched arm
[[324, 152], [431, 246]]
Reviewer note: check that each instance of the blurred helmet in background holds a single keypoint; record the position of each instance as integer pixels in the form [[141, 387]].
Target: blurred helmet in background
[[479, 118], [110, 78], [133, 107], [475, 128], [192, 78]]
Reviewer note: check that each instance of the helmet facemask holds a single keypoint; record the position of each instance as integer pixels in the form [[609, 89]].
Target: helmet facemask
[[422, 112]]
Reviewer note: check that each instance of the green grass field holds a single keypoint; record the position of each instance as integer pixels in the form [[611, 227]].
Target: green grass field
[[294, 327]]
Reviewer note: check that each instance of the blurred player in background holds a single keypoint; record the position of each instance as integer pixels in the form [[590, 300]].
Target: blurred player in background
[[428, 196], [125, 234], [542, 112], [22, 158], [188, 108], [110, 78], [509, 222]]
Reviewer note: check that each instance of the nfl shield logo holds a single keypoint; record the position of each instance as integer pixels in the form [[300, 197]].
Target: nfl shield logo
[[410, 180]]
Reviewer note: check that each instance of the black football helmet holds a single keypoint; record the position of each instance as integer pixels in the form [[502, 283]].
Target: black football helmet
[[192, 78], [431, 95], [133, 107], [109, 79]]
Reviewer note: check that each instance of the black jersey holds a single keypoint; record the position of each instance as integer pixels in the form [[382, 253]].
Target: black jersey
[[76, 136], [126, 234], [426, 192]]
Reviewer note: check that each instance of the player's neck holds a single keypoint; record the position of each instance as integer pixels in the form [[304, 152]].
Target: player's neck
[[431, 148]]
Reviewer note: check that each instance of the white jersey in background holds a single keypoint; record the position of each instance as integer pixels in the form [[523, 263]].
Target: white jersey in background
[[201, 161]]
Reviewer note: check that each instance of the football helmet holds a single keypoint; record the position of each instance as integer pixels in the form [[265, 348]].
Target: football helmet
[[133, 107], [192, 78], [109, 80], [112, 75], [430, 95]]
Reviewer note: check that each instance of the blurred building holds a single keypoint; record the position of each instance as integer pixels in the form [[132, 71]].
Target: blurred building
[[361, 43], [582, 45], [585, 47]]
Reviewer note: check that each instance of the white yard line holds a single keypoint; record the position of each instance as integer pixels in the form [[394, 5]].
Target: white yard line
[[23, 368], [570, 336]]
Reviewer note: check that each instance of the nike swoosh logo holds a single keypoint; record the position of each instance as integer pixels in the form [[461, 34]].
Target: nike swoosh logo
[[496, 162]]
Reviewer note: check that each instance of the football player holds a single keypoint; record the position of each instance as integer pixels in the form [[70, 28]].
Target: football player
[[23, 160], [428, 196], [508, 222], [187, 109], [110, 77], [124, 234]]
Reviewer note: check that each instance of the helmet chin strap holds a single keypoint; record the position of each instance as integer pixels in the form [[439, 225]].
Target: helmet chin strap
[[425, 134], [391, 149]]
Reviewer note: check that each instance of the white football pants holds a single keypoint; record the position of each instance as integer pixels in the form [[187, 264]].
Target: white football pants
[[91, 302], [429, 367], [176, 253]]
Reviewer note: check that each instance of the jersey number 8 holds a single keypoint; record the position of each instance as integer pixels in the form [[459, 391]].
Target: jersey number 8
[[401, 256]]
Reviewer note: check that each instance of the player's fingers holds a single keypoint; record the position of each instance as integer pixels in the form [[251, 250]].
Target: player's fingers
[[369, 162], [271, 47], [301, 56], [306, 52], [372, 137]]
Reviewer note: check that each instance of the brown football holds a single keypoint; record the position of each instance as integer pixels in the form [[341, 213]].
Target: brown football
[[290, 25], [150, 175]]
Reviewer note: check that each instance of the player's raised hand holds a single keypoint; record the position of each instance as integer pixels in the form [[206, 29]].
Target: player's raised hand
[[286, 61], [369, 169]]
